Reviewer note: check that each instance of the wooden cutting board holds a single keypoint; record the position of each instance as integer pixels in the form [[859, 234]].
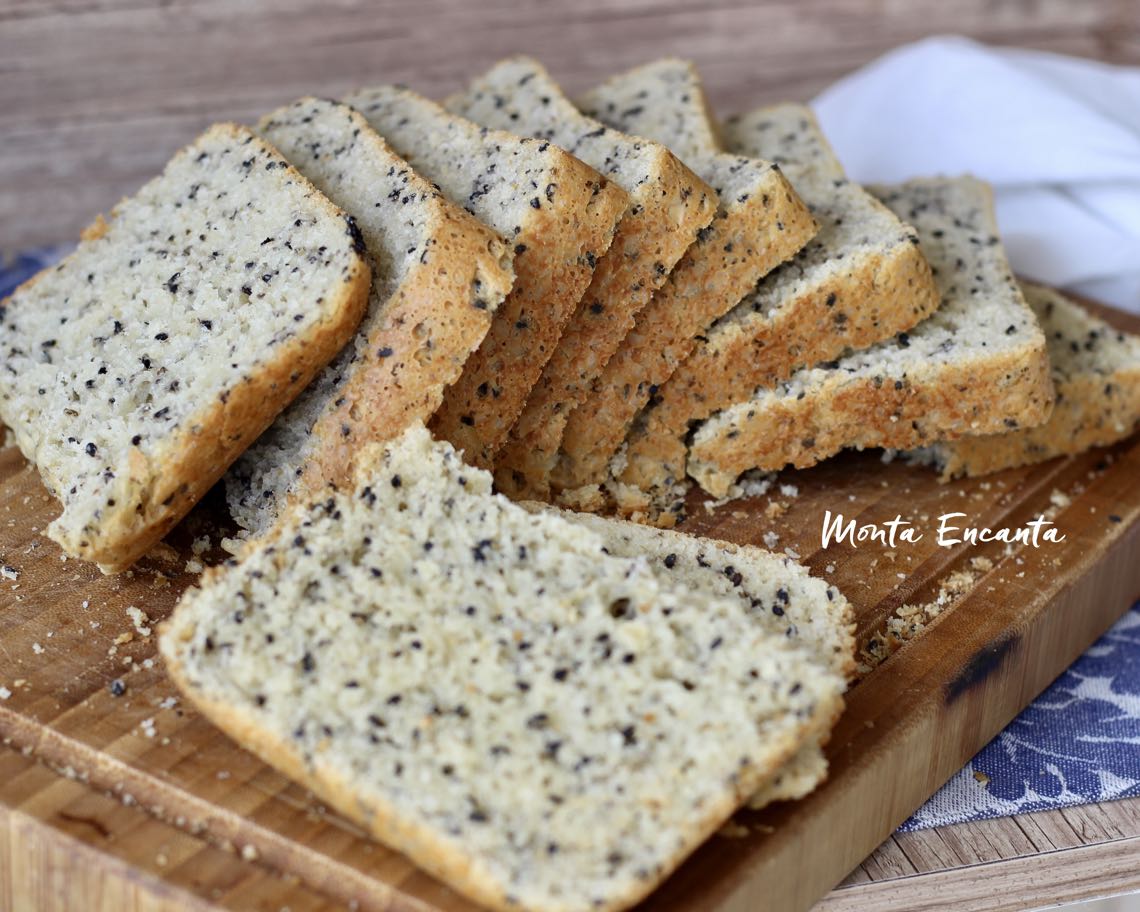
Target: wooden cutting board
[[1000, 623]]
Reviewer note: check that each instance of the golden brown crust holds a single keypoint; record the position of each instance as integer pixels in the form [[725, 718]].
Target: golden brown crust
[[888, 293], [555, 256], [978, 395], [432, 323], [1085, 415], [660, 224], [739, 247], [447, 859], [95, 230]]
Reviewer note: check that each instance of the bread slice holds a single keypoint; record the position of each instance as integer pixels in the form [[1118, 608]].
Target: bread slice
[[860, 280], [760, 223], [1096, 372], [139, 368], [795, 604], [778, 592], [668, 205], [977, 365], [438, 276], [558, 215], [409, 647]]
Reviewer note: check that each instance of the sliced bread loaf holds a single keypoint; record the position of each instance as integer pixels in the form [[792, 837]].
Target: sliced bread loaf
[[977, 365], [408, 646], [668, 205], [760, 223], [438, 275], [1096, 372], [139, 368], [860, 280], [557, 214]]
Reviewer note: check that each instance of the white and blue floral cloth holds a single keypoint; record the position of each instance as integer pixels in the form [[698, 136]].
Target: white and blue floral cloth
[[21, 267], [1078, 743]]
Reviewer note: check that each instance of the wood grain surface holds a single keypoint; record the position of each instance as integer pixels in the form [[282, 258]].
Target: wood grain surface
[[1021, 617], [1008, 863], [95, 95]]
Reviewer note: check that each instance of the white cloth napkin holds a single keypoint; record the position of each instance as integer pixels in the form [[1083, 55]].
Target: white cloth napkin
[[1058, 137]]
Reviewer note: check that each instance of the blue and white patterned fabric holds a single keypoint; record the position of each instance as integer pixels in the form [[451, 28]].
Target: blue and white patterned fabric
[[23, 266], [1078, 743]]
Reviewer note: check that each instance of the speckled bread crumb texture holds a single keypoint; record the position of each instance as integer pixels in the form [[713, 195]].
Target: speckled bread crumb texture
[[977, 365], [438, 277], [790, 602], [781, 593], [406, 646], [557, 214], [1096, 373], [668, 205], [760, 223], [182, 325], [860, 280]]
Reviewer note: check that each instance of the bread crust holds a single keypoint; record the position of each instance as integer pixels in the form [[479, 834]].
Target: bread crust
[[555, 255], [1083, 417], [889, 293], [659, 226], [446, 859], [975, 396], [162, 489], [468, 268], [734, 251]]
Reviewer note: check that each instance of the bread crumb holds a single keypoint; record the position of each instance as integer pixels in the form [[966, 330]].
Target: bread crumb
[[37, 649], [771, 539], [194, 566], [909, 620], [733, 830], [981, 777], [200, 545], [232, 545], [249, 852], [587, 499], [1059, 499], [789, 490], [162, 552], [9, 572], [140, 620], [775, 509], [5, 693]]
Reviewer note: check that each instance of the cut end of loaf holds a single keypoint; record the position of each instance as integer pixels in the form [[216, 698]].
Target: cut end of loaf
[[182, 326]]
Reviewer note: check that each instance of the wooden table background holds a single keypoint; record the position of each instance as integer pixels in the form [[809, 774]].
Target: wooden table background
[[96, 94]]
